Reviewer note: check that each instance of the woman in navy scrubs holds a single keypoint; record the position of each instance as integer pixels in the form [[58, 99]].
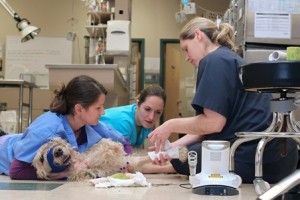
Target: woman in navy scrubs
[[222, 107]]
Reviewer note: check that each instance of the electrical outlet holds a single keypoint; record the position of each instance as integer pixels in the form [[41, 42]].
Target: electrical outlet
[[189, 8], [71, 36]]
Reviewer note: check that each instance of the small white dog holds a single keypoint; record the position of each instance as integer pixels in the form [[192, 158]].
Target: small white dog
[[105, 158]]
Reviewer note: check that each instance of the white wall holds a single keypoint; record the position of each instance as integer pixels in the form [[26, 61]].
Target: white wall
[[155, 19], [151, 19], [54, 17]]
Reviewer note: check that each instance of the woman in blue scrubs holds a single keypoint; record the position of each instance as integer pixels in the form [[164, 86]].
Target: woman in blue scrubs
[[222, 108], [73, 116]]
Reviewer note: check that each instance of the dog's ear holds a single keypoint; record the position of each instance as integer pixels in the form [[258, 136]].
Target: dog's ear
[[40, 163], [38, 158], [41, 167], [42, 174]]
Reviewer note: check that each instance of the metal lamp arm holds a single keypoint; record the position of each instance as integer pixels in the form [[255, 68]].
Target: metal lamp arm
[[11, 11]]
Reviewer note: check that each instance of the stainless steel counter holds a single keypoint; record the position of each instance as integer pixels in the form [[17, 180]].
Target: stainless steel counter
[[107, 74], [21, 84]]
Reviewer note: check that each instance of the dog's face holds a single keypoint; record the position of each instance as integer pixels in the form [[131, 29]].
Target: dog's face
[[54, 156]]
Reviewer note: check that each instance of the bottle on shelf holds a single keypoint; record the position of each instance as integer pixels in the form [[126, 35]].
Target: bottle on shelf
[[107, 6], [103, 6], [99, 51]]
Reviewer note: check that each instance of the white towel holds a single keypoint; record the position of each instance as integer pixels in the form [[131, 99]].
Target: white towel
[[171, 152], [134, 180]]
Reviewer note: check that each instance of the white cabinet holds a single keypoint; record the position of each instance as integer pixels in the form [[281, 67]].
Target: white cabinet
[[118, 38]]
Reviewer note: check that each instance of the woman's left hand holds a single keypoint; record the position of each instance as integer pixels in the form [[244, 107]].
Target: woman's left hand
[[162, 160]]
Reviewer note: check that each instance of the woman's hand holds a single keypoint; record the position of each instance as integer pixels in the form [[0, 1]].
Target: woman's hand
[[162, 158], [159, 136]]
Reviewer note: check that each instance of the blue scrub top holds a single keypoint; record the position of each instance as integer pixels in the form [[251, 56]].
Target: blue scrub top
[[24, 146], [122, 119]]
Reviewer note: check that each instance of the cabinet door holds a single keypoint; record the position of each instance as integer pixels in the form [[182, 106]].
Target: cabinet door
[[171, 84]]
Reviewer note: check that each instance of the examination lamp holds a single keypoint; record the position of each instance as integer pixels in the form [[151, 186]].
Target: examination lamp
[[27, 31]]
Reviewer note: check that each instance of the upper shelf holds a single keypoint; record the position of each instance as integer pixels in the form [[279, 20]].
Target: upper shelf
[[97, 23], [95, 18]]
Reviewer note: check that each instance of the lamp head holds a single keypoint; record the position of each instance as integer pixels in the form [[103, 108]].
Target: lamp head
[[28, 32]]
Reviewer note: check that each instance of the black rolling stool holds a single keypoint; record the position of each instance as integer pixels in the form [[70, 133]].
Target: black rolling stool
[[281, 77]]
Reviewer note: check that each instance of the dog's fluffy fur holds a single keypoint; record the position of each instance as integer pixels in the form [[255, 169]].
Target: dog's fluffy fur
[[104, 159]]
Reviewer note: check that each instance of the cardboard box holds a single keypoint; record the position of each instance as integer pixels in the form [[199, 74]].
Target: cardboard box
[[8, 121], [9, 127]]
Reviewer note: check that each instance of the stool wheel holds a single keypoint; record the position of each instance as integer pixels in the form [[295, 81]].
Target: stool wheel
[[261, 186]]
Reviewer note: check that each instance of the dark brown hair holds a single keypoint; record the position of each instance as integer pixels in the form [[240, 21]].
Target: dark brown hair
[[82, 90], [151, 90]]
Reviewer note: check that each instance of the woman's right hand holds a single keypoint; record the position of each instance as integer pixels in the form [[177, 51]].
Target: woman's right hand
[[159, 136]]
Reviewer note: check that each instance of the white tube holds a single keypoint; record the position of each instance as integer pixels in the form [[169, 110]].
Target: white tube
[[192, 160], [277, 55]]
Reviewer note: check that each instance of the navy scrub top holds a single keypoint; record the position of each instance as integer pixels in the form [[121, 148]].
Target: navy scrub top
[[219, 89]]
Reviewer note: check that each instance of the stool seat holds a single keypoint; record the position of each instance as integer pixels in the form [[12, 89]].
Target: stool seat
[[281, 77], [272, 77]]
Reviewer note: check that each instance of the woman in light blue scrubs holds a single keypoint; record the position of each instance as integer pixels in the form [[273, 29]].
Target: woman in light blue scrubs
[[137, 120], [73, 116]]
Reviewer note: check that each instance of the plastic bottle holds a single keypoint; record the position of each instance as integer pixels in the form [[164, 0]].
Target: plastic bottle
[[103, 6], [107, 6]]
